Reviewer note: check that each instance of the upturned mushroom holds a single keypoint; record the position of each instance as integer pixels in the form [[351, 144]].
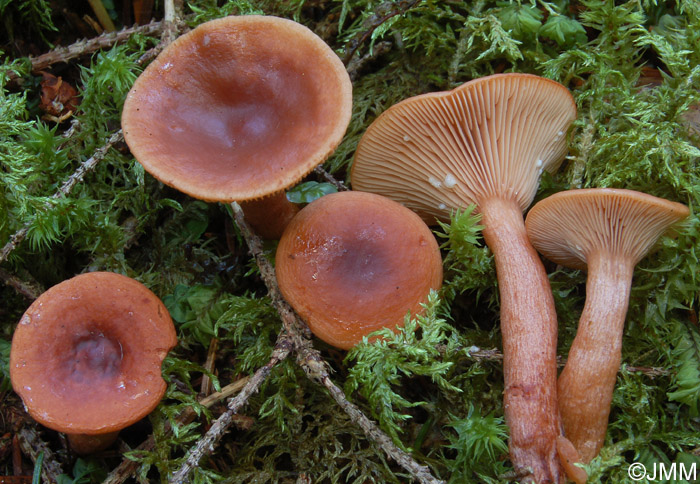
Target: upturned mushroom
[[486, 143], [606, 231], [239, 109], [351, 263], [86, 357]]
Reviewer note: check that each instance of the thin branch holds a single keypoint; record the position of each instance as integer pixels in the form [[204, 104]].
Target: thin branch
[[297, 330], [319, 170], [89, 46], [357, 63], [26, 289], [317, 369], [480, 354], [32, 445], [384, 12], [65, 189], [170, 29], [205, 445], [127, 467], [295, 335]]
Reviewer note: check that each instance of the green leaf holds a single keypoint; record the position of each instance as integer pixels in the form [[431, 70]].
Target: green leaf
[[565, 31], [309, 191], [522, 21]]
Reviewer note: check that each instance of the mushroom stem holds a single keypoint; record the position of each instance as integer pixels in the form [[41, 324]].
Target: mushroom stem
[[85, 444], [529, 332], [587, 382], [269, 216]]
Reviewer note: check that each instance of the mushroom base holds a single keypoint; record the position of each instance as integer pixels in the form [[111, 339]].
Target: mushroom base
[[84, 444]]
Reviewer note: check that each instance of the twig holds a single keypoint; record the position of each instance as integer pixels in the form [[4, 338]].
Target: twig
[[317, 369], [102, 15], [206, 443], [480, 354], [297, 329], [65, 189], [127, 467], [88, 46], [32, 445], [169, 30], [26, 289], [205, 388], [311, 362], [357, 63], [384, 12], [330, 178]]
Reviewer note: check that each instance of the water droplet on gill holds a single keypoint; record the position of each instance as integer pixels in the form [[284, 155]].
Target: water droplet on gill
[[538, 163], [442, 206], [407, 138]]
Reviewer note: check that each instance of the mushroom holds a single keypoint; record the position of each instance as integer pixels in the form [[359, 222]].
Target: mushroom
[[351, 263], [239, 109], [608, 231], [86, 357], [486, 143]]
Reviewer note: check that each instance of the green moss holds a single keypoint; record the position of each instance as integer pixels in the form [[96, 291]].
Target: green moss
[[423, 384]]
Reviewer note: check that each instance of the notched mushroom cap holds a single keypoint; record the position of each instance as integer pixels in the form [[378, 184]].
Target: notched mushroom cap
[[569, 226], [238, 108], [351, 263], [86, 356], [492, 136]]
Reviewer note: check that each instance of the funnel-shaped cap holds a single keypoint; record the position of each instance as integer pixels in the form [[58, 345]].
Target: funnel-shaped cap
[[238, 108], [351, 263], [86, 356]]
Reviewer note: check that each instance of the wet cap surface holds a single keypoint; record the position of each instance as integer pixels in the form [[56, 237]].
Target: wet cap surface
[[352, 262], [86, 356], [238, 108]]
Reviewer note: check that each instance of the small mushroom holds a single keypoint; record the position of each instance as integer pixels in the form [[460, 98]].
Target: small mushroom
[[607, 231], [239, 109], [351, 263], [486, 143], [86, 357]]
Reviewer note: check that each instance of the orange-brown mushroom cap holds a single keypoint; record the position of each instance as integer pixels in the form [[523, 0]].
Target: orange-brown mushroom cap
[[351, 263], [238, 108], [569, 226], [492, 136], [86, 356]]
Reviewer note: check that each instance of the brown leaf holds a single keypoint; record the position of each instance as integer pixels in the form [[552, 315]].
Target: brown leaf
[[59, 100]]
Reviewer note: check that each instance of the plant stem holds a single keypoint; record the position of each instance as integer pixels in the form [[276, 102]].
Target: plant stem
[[529, 331]]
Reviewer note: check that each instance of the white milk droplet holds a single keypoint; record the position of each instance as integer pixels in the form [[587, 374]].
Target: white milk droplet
[[450, 180], [434, 182]]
